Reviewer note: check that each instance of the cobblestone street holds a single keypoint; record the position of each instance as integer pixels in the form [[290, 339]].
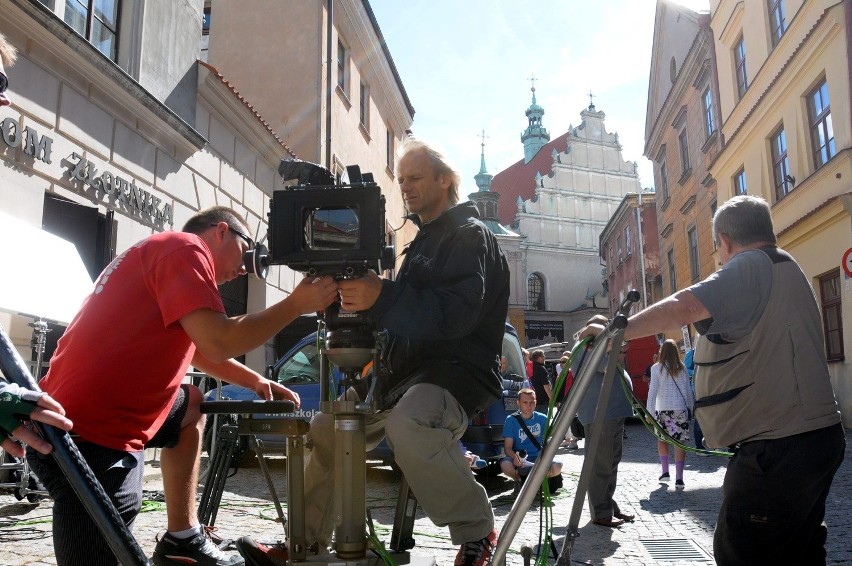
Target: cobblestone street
[[688, 517]]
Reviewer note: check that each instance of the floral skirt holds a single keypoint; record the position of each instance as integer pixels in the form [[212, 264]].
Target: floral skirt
[[675, 423]]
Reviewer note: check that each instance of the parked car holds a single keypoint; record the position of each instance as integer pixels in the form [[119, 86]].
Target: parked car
[[299, 370]]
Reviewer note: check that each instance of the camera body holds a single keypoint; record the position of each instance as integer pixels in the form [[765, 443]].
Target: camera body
[[321, 227]]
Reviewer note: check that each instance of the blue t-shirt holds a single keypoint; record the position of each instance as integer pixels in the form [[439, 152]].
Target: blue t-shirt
[[512, 429]]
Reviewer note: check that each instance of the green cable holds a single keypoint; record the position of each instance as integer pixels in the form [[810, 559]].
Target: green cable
[[658, 430]]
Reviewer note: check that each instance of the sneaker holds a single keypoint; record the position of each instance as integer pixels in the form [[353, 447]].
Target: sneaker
[[477, 553], [679, 484], [199, 549], [257, 554], [665, 477]]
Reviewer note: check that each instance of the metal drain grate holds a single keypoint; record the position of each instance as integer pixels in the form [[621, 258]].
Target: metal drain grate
[[674, 550]]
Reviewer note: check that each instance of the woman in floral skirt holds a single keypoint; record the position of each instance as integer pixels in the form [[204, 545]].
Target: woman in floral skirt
[[671, 400]]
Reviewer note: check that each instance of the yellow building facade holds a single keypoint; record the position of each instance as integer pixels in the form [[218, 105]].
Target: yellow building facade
[[784, 98]]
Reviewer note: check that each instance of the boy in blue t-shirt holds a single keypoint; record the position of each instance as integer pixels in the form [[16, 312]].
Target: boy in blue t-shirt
[[516, 441]]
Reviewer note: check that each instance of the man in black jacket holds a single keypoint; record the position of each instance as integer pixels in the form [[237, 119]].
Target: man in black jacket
[[445, 315]]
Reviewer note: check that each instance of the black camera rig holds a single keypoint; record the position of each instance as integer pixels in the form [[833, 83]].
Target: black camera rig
[[323, 227]]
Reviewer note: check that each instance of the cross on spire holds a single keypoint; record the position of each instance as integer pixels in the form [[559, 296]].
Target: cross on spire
[[532, 79], [483, 136], [591, 101]]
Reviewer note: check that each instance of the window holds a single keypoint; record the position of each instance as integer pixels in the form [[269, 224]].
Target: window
[[777, 20], [97, 21], [664, 180], [535, 291], [620, 250], [205, 33], [391, 142], [740, 187], [301, 369], [628, 243], [740, 66], [364, 106], [780, 165], [709, 123], [672, 276], [342, 67], [713, 206], [692, 242], [611, 261], [832, 321], [684, 152], [822, 132]]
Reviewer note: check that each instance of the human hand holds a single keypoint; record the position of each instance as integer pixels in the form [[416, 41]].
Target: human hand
[[314, 294], [18, 404], [360, 294], [269, 390]]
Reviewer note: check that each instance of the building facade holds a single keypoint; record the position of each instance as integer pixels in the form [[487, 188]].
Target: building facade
[[629, 246], [574, 185], [117, 131], [784, 72], [682, 138]]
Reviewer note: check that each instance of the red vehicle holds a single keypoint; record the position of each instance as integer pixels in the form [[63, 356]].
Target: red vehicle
[[640, 354]]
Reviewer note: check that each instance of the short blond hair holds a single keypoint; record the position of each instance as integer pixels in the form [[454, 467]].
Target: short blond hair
[[8, 52]]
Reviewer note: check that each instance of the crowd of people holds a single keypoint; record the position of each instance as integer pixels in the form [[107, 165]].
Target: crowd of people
[[761, 386]]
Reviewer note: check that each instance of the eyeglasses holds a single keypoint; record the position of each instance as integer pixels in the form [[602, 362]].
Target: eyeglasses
[[242, 236], [4, 82]]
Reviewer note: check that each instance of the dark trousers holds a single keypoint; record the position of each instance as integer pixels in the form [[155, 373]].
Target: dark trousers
[[699, 436], [604, 476], [774, 500], [76, 538]]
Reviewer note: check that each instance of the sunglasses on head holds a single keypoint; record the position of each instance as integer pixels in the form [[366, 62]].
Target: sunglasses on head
[[4, 82]]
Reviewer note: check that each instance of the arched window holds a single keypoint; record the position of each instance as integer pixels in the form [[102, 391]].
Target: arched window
[[535, 291]]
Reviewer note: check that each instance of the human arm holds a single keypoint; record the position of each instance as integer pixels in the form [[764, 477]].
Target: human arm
[[668, 315], [509, 451], [18, 404], [234, 372], [218, 337]]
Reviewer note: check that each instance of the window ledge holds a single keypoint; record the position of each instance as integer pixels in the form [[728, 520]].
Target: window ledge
[[389, 171], [710, 142], [365, 132], [686, 175], [665, 204], [343, 96]]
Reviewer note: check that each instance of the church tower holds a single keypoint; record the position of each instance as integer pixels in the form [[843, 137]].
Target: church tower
[[485, 199], [535, 136]]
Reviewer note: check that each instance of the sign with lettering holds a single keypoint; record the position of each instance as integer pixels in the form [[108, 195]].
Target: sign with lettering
[[121, 193]]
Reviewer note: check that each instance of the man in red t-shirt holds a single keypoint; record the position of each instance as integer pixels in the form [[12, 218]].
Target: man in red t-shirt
[[118, 369]]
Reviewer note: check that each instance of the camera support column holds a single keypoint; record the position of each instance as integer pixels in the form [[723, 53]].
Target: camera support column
[[350, 471]]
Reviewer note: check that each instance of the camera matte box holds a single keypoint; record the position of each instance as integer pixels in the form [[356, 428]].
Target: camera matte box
[[293, 209]]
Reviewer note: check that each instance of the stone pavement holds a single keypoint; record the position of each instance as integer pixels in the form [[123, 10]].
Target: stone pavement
[[687, 517]]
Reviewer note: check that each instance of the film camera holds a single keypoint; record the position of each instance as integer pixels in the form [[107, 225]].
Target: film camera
[[321, 227]]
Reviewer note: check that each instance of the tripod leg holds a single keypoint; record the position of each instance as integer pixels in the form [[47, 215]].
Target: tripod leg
[[208, 506]]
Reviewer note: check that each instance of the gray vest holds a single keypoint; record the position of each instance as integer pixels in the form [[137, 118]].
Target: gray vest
[[774, 381]]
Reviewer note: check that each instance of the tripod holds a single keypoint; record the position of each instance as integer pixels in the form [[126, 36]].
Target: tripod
[[558, 430]]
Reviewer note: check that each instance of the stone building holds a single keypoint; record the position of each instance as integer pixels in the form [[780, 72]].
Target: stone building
[[117, 131], [784, 97], [565, 192], [682, 139], [629, 246]]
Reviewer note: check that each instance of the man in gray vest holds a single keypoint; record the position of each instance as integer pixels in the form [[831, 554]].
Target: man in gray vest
[[762, 387]]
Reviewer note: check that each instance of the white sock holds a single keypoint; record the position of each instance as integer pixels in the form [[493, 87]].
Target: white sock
[[188, 533]]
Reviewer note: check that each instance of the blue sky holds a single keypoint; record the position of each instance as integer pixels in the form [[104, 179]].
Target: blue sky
[[466, 66]]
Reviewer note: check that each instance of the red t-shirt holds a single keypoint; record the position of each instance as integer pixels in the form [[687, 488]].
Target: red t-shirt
[[117, 369]]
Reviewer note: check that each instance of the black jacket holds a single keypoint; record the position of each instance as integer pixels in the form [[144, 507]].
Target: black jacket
[[446, 312]]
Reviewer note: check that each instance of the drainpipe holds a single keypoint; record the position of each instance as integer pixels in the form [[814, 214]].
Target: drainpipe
[[328, 85], [641, 249]]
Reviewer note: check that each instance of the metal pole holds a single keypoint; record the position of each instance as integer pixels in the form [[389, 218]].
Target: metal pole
[[79, 474]]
